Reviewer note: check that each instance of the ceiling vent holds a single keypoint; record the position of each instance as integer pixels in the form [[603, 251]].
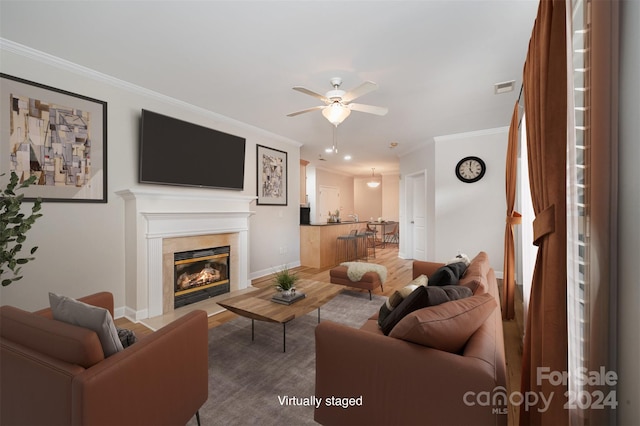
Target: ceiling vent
[[504, 87]]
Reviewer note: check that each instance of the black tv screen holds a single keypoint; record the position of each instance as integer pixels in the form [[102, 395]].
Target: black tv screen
[[175, 152]]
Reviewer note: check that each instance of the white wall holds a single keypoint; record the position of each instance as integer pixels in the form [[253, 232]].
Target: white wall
[[461, 216], [82, 246], [368, 201], [470, 217], [391, 197], [628, 332]]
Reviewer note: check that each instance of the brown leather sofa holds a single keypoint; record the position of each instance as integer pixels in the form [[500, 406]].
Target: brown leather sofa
[[54, 373], [397, 382]]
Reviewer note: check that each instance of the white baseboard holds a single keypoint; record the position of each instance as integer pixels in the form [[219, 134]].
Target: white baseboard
[[131, 314], [269, 271]]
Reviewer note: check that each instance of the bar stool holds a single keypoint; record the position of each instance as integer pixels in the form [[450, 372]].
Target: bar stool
[[371, 240], [362, 246], [346, 247]]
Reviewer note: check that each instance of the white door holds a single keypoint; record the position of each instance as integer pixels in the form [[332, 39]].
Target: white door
[[416, 196], [328, 201]]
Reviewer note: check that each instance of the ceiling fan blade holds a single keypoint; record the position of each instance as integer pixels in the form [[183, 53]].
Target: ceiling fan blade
[[363, 89], [293, 114], [371, 109], [312, 93]]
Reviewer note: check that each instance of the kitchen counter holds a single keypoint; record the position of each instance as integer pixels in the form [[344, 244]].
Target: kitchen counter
[[334, 223], [318, 242]]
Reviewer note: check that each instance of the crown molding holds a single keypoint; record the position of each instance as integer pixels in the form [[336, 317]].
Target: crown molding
[[473, 134], [63, 64]]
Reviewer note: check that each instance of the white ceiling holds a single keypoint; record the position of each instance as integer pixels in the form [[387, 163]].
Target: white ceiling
[[435, 62]]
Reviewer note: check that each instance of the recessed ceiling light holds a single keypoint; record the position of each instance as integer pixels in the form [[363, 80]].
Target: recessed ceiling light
[[328, 150], [347, 157], [504, 87]]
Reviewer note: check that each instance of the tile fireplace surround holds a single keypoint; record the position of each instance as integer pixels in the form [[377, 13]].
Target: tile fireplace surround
[[161, 222]]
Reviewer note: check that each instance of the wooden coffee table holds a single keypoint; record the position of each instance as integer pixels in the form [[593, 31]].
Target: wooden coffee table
[[257, 305]]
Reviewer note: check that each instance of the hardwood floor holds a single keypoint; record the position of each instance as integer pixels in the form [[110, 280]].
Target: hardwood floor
[[399, 274]]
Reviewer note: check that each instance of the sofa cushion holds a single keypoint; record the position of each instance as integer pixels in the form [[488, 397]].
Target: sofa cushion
[[65, 342], [475, 276], [422, 297], [94, 318], [399, 295], [448, 326]]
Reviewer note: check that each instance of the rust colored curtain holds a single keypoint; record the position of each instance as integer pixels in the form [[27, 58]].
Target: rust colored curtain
[[513, 218], [545, 92]]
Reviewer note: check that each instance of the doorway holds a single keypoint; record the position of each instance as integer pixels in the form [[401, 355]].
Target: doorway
[[416, 216]]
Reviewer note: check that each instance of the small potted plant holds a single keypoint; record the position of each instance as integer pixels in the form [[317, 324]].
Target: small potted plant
[[285, 281]]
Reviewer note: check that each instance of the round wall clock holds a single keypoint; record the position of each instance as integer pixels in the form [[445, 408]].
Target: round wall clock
[[470, 169]]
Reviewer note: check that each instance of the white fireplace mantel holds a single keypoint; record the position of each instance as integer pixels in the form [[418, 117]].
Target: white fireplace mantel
[[154, 215], [184, 224]]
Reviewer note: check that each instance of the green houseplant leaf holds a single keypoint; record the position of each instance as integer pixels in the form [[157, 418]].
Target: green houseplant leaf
[[14, 226], [285, 279]]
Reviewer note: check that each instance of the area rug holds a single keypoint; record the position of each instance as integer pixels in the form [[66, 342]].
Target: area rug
[[250, 382]]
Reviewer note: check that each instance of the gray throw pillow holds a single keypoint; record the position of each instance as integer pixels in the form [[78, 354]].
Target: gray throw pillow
[[84, 315]]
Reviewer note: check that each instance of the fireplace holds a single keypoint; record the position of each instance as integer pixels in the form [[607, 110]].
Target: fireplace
[[161, 221], [200, 274]]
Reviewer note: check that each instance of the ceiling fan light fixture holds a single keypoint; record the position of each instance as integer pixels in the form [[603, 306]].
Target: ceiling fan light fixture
[[373, 183], [336, 113]]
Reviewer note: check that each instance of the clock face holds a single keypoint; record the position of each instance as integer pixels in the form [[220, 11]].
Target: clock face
[[470, 169]]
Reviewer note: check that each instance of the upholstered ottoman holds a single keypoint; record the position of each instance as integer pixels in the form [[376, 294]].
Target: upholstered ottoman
[[365, 280]]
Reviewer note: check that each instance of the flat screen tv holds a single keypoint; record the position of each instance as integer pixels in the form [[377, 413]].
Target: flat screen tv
[[175, 152]]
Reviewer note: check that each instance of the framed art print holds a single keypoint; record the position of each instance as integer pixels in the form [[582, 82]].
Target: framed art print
[[272, 176], [58, 136]]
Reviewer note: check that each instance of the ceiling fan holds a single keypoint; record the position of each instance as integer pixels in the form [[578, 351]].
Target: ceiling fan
[[338, 103]]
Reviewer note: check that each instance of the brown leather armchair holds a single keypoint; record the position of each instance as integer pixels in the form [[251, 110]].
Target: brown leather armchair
[[55, 373]]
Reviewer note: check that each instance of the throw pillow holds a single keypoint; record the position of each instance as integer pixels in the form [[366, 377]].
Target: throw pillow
[[399, 295], [84, 315], [423, 297], [448, 274], [460, 257], [127, 337], [448, 326]]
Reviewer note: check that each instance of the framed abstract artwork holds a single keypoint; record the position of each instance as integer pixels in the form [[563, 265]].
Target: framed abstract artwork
[[58, 136], [272, 176]]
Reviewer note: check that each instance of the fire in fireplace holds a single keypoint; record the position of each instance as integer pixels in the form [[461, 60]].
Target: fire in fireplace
[[200, 274]]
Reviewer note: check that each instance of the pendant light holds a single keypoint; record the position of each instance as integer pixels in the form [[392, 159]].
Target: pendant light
[[373, 183]]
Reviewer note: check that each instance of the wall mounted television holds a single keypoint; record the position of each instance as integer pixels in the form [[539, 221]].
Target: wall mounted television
[[175, 152]]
